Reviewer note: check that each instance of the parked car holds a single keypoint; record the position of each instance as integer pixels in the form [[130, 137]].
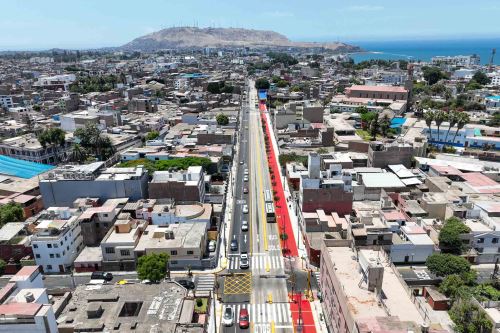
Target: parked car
[[186, 284], [211, 246], [244, 318], [244, 261], [244, 225], [234, 245], [245, 178], [107, 276], [245, 190], [245, 209], [228, 318]]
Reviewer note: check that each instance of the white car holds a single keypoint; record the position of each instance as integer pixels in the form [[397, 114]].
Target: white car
[[245, 209], [244, 261], [245, 179], [244, 225], [246, 172], [211, 246], [228, 318]]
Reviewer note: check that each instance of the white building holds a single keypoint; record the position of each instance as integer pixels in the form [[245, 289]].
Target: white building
[[411, 245], [495, 79], [176, 214], [41, 60], [459, 60], [57, 240], [25, 306], [57, 81]]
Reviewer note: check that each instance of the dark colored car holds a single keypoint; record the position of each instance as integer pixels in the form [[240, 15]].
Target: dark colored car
[[186, 284], [101, 276], [234, 245], [244, 319]]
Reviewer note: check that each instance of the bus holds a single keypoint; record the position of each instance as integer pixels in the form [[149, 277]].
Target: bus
[[270, 215], [268, 196]]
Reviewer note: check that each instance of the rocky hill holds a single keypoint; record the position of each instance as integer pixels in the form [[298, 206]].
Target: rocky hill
[[191, 37]]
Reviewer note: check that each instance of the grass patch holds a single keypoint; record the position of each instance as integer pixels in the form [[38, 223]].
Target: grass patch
[[200, 307]]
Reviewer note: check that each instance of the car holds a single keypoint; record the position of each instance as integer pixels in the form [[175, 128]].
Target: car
[[107, 276], [244, 261], [186, 284], [245, 179], [234, 245], [244, 225], [245, 209], [241, 162], [246, 172], [228, 318], [211, 246], [244, 318], [245, 190]]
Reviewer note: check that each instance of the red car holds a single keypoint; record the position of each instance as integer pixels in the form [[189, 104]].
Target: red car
[[244, 320]]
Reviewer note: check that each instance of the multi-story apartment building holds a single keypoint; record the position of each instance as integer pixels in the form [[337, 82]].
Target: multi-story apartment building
[[459, 60], [27, 147], [6, 102], [57, 239], [181, 186], [55, 82]]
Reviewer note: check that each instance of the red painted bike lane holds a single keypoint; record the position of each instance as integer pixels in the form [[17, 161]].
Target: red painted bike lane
[[289, 244]]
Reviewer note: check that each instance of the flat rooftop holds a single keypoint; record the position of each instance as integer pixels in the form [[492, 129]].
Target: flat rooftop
[[363, 303]]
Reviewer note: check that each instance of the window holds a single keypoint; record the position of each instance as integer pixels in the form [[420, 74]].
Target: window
[[110, 250], [51, 255], [61, 243], [37, 256], [58, 255], [173, 252], [35, 246], [124, 252], [49, 266], [190, 252], [494, 240], [49, 246], [480, 240], [56, 246], [480, 249]]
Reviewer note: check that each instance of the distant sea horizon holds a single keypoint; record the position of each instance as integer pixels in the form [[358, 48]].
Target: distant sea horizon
[[424, 50]]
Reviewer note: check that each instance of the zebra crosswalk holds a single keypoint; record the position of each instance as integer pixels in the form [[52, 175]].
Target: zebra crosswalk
[[265, 313], [205, 283], [258, 262]]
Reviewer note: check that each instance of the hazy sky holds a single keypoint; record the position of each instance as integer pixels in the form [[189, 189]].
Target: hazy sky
[[35, 24]]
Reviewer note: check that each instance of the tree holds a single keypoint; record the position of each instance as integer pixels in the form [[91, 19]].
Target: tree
[[473, 85], [10, 212], [366, 119], [222, 119], [282, 84], [152, 135], [451, 285], [361, 109], [429, 118], [214, 87], [481, 78], [444, 264], [462, 120], [374, 126], [433, 74], [385, 124], [91, 139], [452, 121], [262, 83], [449, 236], [439, 117], [468, 317], [53, 137], [2, 266], [152, 266], [78, 154]]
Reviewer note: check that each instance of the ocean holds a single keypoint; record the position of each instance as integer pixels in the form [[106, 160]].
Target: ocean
[[425, 50]]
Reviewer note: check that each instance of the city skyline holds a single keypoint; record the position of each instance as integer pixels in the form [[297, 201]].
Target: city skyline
[[93, 24]]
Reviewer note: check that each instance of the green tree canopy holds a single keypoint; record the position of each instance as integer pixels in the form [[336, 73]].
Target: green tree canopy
[[469, 318], [446, 264], [262, 83], [152, 135], [433, 74], [152, 267], [10, 212], [94, 141], [177, 163], [481, 78], [222, 119], [449, 236], [283, 58]]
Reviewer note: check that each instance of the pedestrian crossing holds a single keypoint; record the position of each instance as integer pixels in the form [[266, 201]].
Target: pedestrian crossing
[[258, 262], [317, 277], [205, 283], [265, 313]]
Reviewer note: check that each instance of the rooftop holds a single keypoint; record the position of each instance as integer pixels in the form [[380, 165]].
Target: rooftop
[[378, 88], [384, 179]]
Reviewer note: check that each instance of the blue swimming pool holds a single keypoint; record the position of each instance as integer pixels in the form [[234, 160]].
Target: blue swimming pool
[[397, 122], [19, 168]]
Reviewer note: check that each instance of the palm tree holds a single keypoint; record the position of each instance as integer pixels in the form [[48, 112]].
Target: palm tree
[[385, 124], [374, 125], [439, 117], [429, 118], [462, 120], [452, 121], [54, 137], [78, 154]]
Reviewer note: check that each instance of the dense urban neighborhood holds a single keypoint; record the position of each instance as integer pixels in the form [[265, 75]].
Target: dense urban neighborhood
[[248, 188]]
